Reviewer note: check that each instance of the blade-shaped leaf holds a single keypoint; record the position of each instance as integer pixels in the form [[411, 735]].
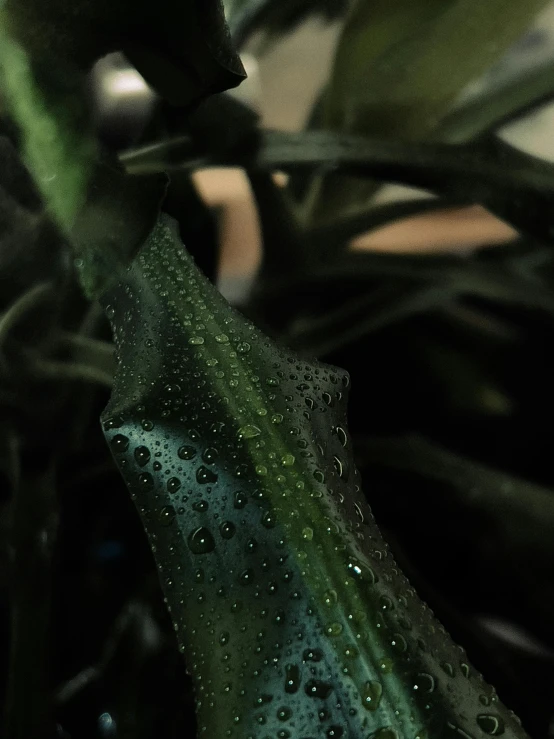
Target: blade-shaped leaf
[[276, 16], [285, 599], [400, 66]]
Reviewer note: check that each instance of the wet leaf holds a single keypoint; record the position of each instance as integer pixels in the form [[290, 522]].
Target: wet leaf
[[285, 598]]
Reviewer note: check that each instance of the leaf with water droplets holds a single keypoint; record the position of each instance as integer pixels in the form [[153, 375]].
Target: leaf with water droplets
[[252, 499]]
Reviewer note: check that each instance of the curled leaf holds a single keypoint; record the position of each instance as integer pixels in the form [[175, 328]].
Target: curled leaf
[[183, 49], [286, 601]]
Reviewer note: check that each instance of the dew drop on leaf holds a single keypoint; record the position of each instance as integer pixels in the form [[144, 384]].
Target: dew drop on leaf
[[269, 520], [205, 476], [491, 724], [318, 689], [371, 695], [249, 431], [312, 655], [142, 455], [292, 678], [201, 541], [341, 435], [120, 443], [186, 452], [240, 500], [173, 484], [167, 515], [210, 455], [284, 713], [146, 481], [227, 530]]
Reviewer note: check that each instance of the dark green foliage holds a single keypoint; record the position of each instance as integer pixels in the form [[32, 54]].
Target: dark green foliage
[[247, 16], [218, 433]]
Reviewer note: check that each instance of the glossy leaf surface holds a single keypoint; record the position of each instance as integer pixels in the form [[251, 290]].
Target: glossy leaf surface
[[293, 616]]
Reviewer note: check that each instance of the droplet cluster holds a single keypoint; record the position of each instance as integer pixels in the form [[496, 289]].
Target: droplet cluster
[[290, 611]]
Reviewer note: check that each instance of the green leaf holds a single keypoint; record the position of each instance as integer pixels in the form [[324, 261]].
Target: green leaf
[[276, 16], [486, 114], [285, 599], [400, 66], [103, 212], [515, 186]]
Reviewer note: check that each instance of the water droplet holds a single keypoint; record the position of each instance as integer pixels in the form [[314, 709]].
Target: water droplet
[[386, 665], [249, 431], [424, 682], [261, 470], [341, 435], [146, 424], [196, 340], [318, 689], [307, 533], [448, 669], [246, 577], [210, 455], [227, 530], [284, 713], [287, 460], [277, 418], [120, 443], [351, 652], [312, 655], [464, 669], [146, 481], [243, 347], [251, 545], [361, 572], [327, 398], [399, 643], [330, 597], [224, 638], [205, 476], [280, 617], [239, 500], [292, 678], [269, 520], [186, 452], [371, 695], [334, 629], [142, 455], [491, 724], [115, 422], [199, 576], [173, 484], [200, 506], [201, 541], [167, 515], [341, 468]]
